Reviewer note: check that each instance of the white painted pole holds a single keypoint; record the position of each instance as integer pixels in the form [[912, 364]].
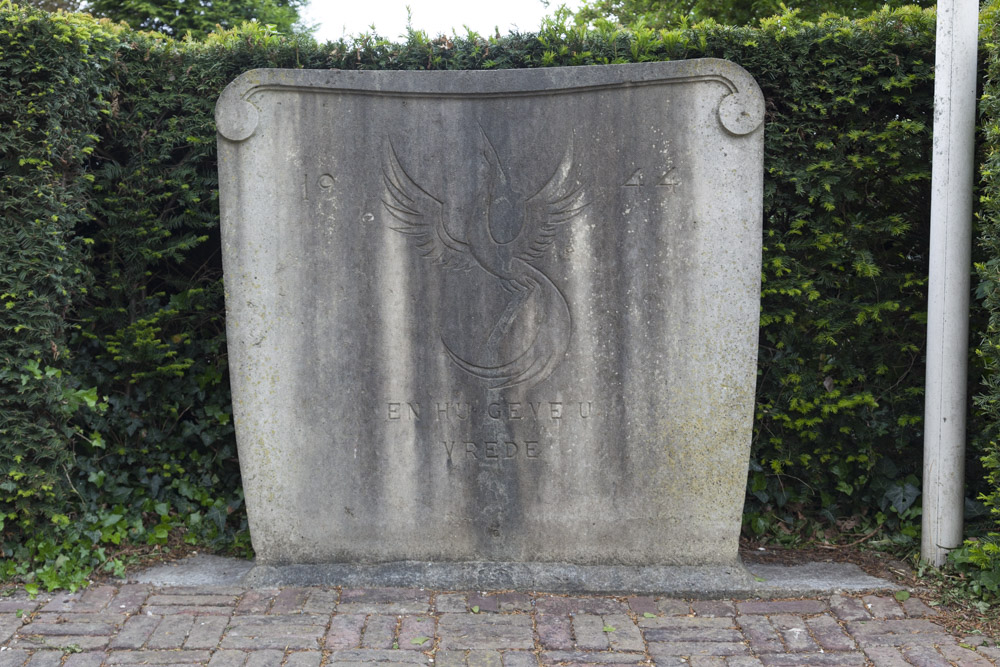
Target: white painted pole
[[948, 289]]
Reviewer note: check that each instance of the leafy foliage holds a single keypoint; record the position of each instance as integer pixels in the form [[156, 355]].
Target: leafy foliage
[[49, 111], [839, 400], [980, 558], [668, 13], [92, 214], [56, 5], [197, 17]]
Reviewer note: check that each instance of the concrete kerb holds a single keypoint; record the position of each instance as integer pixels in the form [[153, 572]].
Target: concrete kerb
[[757, 580]]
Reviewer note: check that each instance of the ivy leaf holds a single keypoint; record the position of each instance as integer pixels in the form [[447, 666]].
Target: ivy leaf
[[475, 609], [420, 641], [902, 596], [648, 615], [902, 496], [609, 628]]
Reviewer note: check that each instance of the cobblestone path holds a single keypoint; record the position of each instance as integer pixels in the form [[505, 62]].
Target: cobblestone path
[[137, 624]]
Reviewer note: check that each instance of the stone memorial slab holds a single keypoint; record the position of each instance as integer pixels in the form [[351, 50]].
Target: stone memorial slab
[[493, 318]]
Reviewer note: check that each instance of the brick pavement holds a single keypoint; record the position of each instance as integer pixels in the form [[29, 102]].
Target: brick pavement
[[138, 624]]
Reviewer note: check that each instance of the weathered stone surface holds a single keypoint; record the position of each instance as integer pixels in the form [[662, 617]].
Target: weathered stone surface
[[781, 607], [157, 657], [380, 631], [89, 629], [883, 607], [482, 631], [13, 658], [493, 316], [345, 631], [829, 635], [657, 649], [46, 659], [171, 632], [554, 631], [713, 608], [206, 632], [589, 633], [367, 657], [304, 659], [672, 607], [287, 632], [760, 633], [265, 658], [228, 659], [384, 601], [520, 659], [416, 632], [88, 659], [575, 605], [839, 659], [578, 657], [849, 609], [58, 642]]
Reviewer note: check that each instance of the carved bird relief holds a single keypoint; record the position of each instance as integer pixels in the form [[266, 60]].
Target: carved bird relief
[[537, 219]]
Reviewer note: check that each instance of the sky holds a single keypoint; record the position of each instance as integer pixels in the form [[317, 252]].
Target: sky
[[352, 17]]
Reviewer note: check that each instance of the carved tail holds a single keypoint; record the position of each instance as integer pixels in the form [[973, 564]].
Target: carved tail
[[546, 350]]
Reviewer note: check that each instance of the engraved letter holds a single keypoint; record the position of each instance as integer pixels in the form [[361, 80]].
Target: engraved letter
[[493, 410], [458, 410], [394, 410], [449, 446], [491, 450], [442, 409], [415, 409], [534, 408], [511, 449], [470, 449], [556, 410], [515, 410], [531, 449], [585, 413]]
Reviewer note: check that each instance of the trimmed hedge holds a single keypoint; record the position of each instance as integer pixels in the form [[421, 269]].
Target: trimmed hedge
[[52, 97], [980, 558], [840, 397]]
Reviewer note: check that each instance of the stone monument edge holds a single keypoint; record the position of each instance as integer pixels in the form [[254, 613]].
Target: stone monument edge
[[740, 112]]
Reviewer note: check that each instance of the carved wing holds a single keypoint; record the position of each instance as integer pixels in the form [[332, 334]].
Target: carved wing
[[557, 202], [422, 217]]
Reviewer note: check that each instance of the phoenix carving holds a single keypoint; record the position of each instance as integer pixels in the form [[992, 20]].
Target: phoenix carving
[[537, 218]]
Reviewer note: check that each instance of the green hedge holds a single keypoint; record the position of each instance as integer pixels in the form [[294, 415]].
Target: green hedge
[[839, 401], [981, 558], [53, 91]]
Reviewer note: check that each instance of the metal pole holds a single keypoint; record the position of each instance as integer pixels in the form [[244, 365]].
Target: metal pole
[[948, 288]]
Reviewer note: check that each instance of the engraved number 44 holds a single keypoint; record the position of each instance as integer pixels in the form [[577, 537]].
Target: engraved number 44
[[313, 185], [666, 179]]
